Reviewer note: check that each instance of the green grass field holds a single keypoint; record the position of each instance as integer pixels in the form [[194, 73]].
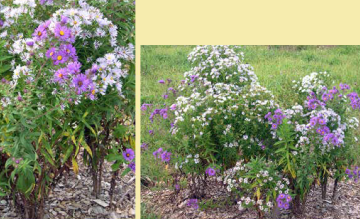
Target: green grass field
[[275, 66]]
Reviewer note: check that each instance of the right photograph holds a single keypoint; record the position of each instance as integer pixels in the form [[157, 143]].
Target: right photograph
[[250, 132]]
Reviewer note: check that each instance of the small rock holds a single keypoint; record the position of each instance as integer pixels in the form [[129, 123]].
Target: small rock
[[101, 203]]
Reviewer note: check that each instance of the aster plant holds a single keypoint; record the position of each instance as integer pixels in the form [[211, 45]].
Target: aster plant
[[268, 156], [69, 87]]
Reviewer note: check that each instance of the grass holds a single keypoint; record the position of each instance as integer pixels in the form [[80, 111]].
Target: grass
[[147, 213], [275, 66]]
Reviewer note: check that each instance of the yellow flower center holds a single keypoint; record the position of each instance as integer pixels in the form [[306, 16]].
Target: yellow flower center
[[68, 51], [75, 22], [62, 33], [104, 79], [52, 53], [93, 92], [60, 75], [100, 69], [80, 83], [128, 155], [59, 58], [39, 33]]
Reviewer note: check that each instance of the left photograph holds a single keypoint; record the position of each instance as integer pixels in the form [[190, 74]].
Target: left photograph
[[67, 109]]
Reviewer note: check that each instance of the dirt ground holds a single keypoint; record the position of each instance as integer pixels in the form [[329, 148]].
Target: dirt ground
[[72, 198], [346, 204]]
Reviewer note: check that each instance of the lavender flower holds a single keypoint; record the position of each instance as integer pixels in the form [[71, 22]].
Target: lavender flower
[[132, 166], [210, 171], [59, 57], [145, 106], [81, 83], [129, 154], [62, 32], [40, 32], [158, 152], [193, 203], [61, 75], [283, 201], [166, 156]]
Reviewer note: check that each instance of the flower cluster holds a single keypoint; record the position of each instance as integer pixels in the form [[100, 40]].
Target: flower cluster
[[283, 201], [353, 174], [276, 119], [193, 203], [164, 155], [129, 155], [210, 171], [53, 40], [221, 114], [255, 176]]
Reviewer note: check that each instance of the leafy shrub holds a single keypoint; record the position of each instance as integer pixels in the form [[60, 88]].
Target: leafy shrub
[[70, 86], [220, 115]]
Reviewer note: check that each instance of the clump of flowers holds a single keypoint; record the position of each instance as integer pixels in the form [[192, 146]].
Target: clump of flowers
[[193, 203], [353, 174], [223, 117], [259, 178], [64, 86], [283, 201]]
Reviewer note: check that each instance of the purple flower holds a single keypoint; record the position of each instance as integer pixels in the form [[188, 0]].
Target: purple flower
[[173, 107], [59, 57], [64, 19], [268, 116], [81, 83], [193, 203], [161, 81], [129, 154], [151, 132], [40, 32], [74, 67], [210, 171], [1, 23], [344, 86], [165, 96], [334, 91], [30, 43], [193, 78], [44, 1], [313, 104], [322, 121], [62, 32], [19, 97], [132, 166], [166, 156], [145, 106], [274, 126], [61, 75], [158, 152], [177, 187], [325, 97], [69, 50], [50, 53], [144, 146], [172, 90], [283, 201], [313, 121]]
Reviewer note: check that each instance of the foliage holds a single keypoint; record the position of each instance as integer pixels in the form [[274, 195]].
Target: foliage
[[67, 86], [220, 114]]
